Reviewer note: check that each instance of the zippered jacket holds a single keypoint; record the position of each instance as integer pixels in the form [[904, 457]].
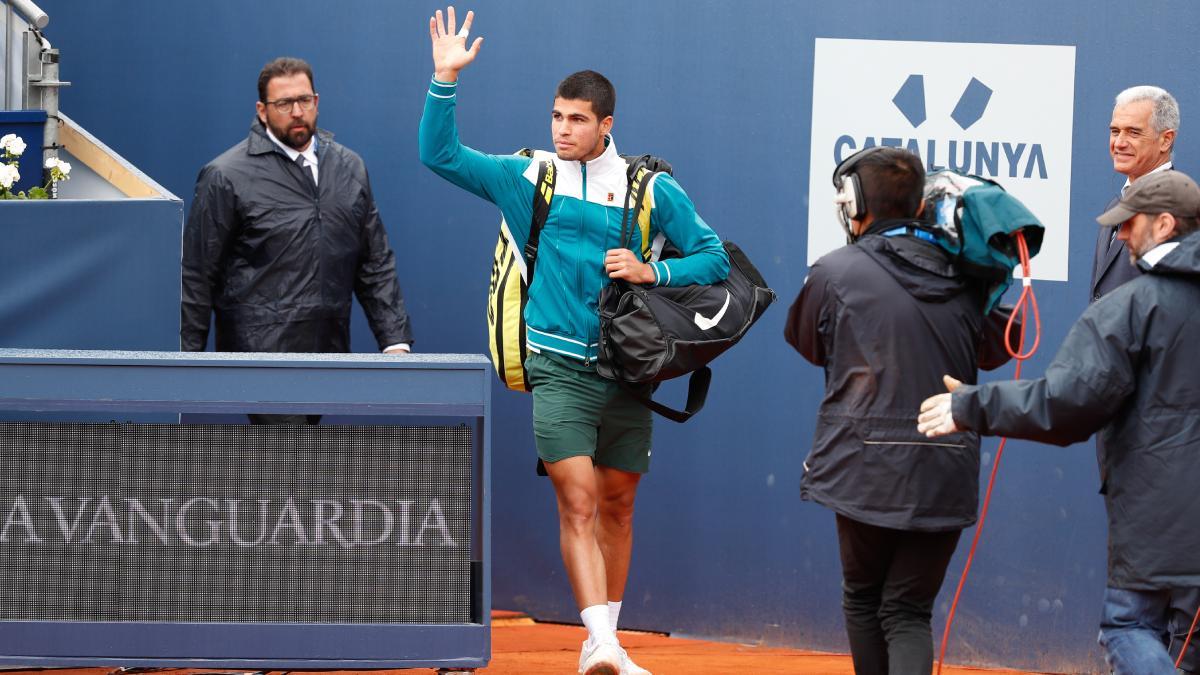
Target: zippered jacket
[[887, 317], [277, 258], [1125, 369], [584, 222]]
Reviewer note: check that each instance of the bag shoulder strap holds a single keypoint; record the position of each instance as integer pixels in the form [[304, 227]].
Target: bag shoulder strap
[[543, 191], [640, 174]]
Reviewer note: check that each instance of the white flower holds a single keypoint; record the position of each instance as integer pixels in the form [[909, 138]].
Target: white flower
[[13, 145], [8, 176], [59, 169]]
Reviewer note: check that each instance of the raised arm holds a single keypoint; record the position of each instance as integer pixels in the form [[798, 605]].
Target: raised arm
[[491, 177], [450, 53]]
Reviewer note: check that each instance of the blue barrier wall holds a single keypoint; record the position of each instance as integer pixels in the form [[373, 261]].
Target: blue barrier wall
[[90, 274], [725, 91]]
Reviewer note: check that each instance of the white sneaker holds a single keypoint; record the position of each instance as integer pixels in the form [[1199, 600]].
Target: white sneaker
[[601, 658], [628, 667]]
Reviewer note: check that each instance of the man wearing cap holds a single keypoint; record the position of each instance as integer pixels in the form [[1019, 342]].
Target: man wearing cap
[[1126, 370], [1141, 140]]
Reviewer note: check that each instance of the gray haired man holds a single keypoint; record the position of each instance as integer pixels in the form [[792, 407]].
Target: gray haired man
[[1141, 140]]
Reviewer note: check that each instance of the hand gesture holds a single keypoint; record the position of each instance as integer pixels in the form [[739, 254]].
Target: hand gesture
[[621, 263], [936, 418], [450, 53]]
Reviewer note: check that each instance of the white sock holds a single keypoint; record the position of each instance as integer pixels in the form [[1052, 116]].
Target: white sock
[[595, 619], [614, 611]]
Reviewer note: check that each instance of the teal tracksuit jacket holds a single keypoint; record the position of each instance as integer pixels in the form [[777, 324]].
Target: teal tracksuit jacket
[[584, 223]]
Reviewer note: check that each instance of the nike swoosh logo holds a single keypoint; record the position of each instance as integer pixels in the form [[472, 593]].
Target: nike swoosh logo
[[705, 323]]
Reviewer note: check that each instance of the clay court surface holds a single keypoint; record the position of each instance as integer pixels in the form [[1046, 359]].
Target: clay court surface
[[521, 646]]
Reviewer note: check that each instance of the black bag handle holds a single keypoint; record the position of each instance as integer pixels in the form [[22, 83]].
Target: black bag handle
[[698, 383], [697, 394]]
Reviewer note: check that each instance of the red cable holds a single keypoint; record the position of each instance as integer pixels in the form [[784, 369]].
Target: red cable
[[1027, 296], [1026, 300], [1188, 639]]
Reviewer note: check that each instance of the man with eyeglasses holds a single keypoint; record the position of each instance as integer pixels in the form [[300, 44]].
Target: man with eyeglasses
[[282, 230]]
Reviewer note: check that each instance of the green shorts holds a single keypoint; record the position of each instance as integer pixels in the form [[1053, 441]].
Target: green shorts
[[578, 413]]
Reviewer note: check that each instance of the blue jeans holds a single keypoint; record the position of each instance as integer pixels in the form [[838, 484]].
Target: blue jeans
[[1136, 629]]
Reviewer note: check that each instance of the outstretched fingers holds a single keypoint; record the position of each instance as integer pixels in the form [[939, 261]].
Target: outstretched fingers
[[438, 25], [936, 418], [450, 52]]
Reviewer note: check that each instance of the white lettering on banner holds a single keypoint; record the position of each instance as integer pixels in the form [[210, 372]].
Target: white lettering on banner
[[381, 509], [233, 507], [102, 517], [999, 111], [435, 520], [68, 531], [160, 528], [19, 516], [201, 522], [181, 520]]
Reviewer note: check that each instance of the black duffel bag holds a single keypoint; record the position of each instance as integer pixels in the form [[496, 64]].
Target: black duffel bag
[[651, 334]]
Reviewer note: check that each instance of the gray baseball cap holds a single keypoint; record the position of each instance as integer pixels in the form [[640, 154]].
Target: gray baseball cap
[[1170, 192]]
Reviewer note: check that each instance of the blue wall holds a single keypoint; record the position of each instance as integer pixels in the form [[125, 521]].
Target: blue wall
[[88, 274], [724, 90]]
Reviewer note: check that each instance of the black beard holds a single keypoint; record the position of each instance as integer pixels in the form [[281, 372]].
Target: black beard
[[295, 139]]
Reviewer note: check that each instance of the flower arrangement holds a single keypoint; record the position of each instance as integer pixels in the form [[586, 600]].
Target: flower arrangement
[[11, 149]]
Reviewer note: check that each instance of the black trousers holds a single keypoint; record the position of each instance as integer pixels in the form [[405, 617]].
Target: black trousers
[[890, 579]]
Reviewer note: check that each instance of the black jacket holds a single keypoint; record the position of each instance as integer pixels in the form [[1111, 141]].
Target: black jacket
[[887, 317], [1128, 369], [276, 258]]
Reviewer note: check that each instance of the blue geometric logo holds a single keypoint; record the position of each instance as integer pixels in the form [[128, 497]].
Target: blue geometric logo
[[910, 101]]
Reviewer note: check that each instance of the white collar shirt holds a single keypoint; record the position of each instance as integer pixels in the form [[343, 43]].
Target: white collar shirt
[[309, 154], [1159, 252], [1161, 167]]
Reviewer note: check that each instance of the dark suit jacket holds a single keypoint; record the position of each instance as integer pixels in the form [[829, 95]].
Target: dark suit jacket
[[1110, 266]]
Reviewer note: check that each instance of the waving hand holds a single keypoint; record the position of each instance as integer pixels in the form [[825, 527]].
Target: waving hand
[[450, 53]]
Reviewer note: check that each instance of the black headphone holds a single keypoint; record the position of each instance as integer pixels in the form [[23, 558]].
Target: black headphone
[[850, 202]]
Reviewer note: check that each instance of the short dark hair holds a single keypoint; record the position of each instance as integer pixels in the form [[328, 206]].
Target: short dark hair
[[588, 85], [282, 67], [1185, 225], [893, 182]]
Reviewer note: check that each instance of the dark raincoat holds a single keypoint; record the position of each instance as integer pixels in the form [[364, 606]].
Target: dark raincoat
[[1127, 369], [277, 258], [887, 317]]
